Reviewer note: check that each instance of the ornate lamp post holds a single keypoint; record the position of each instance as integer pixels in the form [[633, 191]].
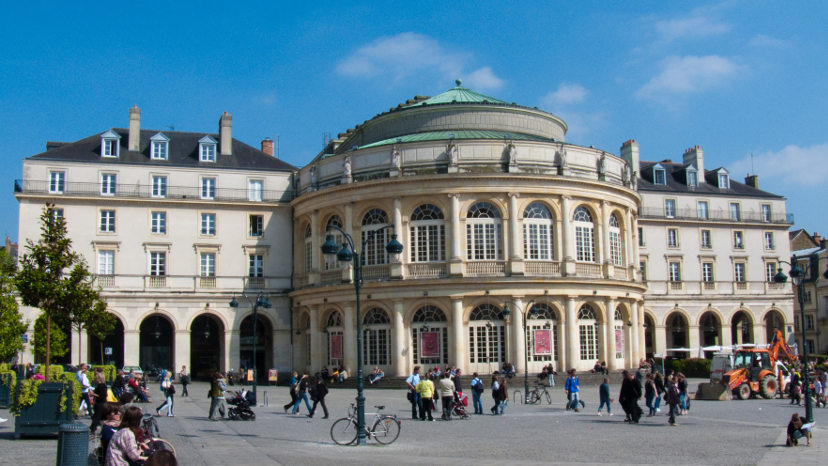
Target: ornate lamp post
[[348, 253], [528, 311], [260, 301]]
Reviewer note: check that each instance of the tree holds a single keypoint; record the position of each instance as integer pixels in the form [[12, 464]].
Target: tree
[[58, 346], [12, 326], [55, 279]]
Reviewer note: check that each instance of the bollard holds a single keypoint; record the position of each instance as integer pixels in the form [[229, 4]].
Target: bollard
[[73, 445], [266, 403]]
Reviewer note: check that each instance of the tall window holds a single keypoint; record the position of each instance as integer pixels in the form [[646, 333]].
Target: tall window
[[429, 320], [703, 210], [674, 269], [256, 225], [108, 181], [588, 330], [616, 244], [738, 240], [545, 319], [641, 241], [769, 243], [619, 333], [376, 338], [707, 272], [208, 188], [254, 190], [692, 178], [107, 221], [57, 182], [584, 235], [724, 181], [208, 224], [706, 239], [331, 262], [642, 268], [106, 262], [660, 176], [670, 208], [427, 234], [483, 232], [159, 144], [334, 329], [255, 265], [158, 223], [487, 335], [158, 264], [735, 211], [672, 238], [739, 272], [538, 233], [207, 149], [374, 252], [208, 264], [159, 186], [766, 213], [110, 147], [770, 271]]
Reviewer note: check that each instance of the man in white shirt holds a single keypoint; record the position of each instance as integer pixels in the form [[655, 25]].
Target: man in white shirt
[[413, 396], [84, 381]]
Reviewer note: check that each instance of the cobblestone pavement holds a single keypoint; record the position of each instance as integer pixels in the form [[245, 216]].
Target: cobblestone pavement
[[720, 433]]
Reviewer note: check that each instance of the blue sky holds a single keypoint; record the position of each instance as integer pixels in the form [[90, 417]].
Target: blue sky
[[735, 77]]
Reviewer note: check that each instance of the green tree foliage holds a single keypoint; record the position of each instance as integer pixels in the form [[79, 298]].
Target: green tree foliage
[[55, 279], [58, 345], [12, 326]]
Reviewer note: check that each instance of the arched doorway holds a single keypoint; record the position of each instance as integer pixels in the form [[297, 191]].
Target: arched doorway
[[264, 344], [156, 347], [110, 350], [335, 344], [773, 321], [376, 339], [741, 328], [542, 338], [677, 334], [649, 336], [589, 337], [206, 346], [710, 332], [622, 335], [487, 339], [429, 335]]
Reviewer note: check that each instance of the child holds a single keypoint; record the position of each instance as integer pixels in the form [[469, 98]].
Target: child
[[604, 395]]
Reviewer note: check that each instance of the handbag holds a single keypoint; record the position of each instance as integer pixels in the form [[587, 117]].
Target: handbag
[[410, 396]]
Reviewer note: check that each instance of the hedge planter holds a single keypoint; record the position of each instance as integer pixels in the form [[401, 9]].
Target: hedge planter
[[5, 398], [43, 418]]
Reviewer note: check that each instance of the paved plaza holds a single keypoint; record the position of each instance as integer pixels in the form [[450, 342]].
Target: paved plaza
[[721, 433]]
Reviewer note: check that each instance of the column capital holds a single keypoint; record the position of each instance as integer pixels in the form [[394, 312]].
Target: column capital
[[453, 195], [605, 203], [513, 194], [566, 197]]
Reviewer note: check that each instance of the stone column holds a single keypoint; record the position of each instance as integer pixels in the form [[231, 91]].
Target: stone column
[[316, 253], [234, 358], [348, 226], [760, 336], [727, 337], [396, 261], [568, 237], [693, 339], [660, 341], [181, 350], [515, 238], [573, 352], [612, 363], [519, 347], [399, 344], [601, 252], [457, 341], [227, 345], [132, 342], [316, 342], [349, 348], [456, 254], [630, 238], [636, 335], [636, 255]]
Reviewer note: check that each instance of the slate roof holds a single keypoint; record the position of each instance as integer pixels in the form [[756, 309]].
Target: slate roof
[[183, 152], [677, 182]]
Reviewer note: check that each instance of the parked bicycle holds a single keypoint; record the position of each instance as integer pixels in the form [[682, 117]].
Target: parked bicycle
[[385, 428], [538, 393]]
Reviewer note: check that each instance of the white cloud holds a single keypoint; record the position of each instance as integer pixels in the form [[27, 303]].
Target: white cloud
[[692, 27], [566, 102], [566, 94], [793, 165], [763, 41], [689, 74], [409, 54]]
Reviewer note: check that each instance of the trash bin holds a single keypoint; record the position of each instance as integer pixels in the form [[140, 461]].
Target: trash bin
[[73, 445]]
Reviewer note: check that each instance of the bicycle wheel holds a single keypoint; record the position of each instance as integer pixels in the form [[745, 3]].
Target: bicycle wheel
[[344, 431], [548, 397], [386, 429], [533, 398], [161, 444]]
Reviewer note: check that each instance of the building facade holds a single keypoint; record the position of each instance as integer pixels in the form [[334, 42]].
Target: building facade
[[811, 252], [518, 247]]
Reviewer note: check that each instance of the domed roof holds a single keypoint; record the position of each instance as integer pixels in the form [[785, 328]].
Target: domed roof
[[459, 95]]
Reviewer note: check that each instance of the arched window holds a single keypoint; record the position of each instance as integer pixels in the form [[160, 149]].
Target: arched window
[[308, 249], [584, 235], [376, 340], [429, 335], [616, 243], [483, 233], [542, 335], [427, 234], [487, 338], [335, 344], [374, 250], [538, 237], [331, 263], [588, 329]]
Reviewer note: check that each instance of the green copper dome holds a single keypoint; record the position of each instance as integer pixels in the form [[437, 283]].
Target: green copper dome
[[459, 95]]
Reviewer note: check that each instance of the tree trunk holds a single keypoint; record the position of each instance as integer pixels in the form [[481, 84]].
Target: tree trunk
[[48, 346], [80, 338]]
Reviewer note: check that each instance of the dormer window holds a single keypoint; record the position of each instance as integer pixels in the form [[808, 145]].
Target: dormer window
[[207, 149], [659, 175], [692, 177], [724, 179], [110, 144], [160, 147]]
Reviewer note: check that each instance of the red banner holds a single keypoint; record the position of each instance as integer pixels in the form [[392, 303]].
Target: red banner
[[430, 344], [336, 346], [543, 341]]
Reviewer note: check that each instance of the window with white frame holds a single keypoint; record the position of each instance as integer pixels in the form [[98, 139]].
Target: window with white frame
[[739, 272], [110, 144], [108, 184], [483, 233], [670, 208], [544, 319], [659, 176], [208, 264], [641, 240], [766, 213], [255, 265], [616, 243], [373, 252], [707, 272], [809, 323], [256, 225], [158, 263], [376, 337], [584, 235], [769, 242], [158, 222], [619, 333], [672, 237], [57, 182], [735, 212], [159, 186], [331, 262], [254, 190], [674, 269], [642, 269], [706, 239], [308, 248], [57, 212], [588, 333], [692, 178], [703, 209], [208, 224], [427, 231], [208, 188], [770, 271], [106, 262], [334, 341], [106, 222], [159, 144], [538, 233], [738, 240], [724, 180], [207, 149]]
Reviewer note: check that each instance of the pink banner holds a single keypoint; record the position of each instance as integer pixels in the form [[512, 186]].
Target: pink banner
[[619, 340], [430, 344], [336, 346], [543, 342]]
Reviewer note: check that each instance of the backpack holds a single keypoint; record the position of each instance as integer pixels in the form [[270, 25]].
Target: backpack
[[478, 387]]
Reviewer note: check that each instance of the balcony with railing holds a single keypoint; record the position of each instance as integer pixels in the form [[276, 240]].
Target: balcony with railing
[[486, 269], [183, 283], [426, 270], [542, 268], [585, 269], [719, 215], [744, 288]]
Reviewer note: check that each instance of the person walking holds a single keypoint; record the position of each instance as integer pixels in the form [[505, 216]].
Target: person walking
[[217, 389], [292, 384], [504, 395], [318, 394], [604, 397], [649, 394], [573, 387], [684, 399], [83, 380], [550, 373], [184, 378], [477, 391], [446, 387], [414, 396], [629, 396], [302, 393], [659, 383], [425, 395], [455, 379], [99, 397], [671, 397], [495, 394], [169, 392]]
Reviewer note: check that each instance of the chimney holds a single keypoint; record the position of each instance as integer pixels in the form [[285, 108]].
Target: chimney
[[817, 238], [267, 146], [134, 129], [752, 181], [695, 156], [629, 152], [226, 134]]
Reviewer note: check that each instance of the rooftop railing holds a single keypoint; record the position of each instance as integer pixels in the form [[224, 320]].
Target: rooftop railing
[[714, 215]]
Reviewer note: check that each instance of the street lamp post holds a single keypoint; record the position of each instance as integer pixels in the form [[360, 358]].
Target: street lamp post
[[528, 310], [800, 277], [348, 253], [260, 301]]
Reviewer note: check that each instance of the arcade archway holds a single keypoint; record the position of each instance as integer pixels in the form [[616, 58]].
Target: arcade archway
[[156, 347], [206, 346], [264, 345], [110, 350]]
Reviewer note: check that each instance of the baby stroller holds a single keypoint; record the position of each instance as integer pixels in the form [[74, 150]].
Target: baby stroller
[[240, 406], [458, 406]]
